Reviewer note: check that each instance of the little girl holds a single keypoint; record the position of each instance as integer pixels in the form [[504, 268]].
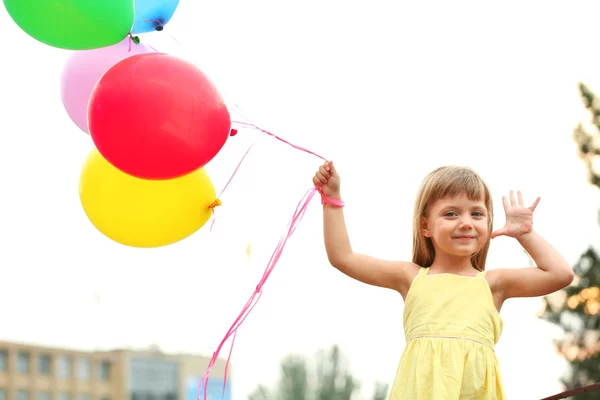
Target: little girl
[[451, 313]]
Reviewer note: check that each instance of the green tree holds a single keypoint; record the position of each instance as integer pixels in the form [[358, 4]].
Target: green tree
[[381, 391], [331, 380], [576, 309]]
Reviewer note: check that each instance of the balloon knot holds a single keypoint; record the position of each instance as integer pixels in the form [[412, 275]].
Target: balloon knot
[[158, 24], [233, 132], [215, 203], [135, 39]]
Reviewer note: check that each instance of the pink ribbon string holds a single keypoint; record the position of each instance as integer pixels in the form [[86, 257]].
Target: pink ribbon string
[[228, 182], [256, 294], [252, 126], [292, 225], [247, 124], [236, 169]]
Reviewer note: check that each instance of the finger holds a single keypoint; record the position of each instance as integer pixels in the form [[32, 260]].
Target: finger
[[325, 172], [520, 199], [499, 232], [332, 169], [505, 203], [513, 201], [317, 182], [321, 178], [535, 203]]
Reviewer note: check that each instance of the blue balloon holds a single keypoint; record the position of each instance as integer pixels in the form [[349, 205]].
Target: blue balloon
[[152, 15]]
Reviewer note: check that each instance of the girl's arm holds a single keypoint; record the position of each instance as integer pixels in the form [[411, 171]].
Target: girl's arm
[[394, 275], [373, 271], [552, 271]]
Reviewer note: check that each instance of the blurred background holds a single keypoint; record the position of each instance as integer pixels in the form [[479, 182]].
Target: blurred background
[[388, 90]]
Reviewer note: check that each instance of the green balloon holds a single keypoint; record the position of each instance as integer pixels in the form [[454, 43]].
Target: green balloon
[[74, 24]]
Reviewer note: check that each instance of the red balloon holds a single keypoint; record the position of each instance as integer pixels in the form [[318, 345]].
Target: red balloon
[[155, 116]]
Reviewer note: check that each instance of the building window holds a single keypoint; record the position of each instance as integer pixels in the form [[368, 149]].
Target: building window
[[43, 396], [3, 362], [22, 395], [104, 371], [23, 363], [84, 370], [64, 367], [44, 364], [64, 396], [2, 394]]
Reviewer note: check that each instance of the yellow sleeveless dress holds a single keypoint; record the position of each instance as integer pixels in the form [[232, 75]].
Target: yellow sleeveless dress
[[451, 327]]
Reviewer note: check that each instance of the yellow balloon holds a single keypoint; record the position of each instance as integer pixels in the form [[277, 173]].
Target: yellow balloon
[[144, 213]]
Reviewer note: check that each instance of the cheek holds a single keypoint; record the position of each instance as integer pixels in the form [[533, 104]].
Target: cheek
[[443, 231], [482, 228]]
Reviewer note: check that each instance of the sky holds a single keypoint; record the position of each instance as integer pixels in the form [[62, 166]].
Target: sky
[[388, 90]]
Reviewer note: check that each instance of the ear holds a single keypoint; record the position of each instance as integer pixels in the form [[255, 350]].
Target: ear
[[424, 227]]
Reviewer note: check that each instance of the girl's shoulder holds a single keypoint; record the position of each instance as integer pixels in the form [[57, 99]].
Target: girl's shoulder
[[410, 272]]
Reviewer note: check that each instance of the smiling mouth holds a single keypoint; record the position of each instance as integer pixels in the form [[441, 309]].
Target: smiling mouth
[[464, 237]]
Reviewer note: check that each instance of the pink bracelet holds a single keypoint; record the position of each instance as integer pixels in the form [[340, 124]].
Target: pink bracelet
[[327, 200]]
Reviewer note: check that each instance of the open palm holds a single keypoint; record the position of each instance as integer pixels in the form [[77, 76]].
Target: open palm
[[519, 219]]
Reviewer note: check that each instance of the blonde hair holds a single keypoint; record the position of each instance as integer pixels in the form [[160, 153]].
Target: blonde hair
[[448, 181]]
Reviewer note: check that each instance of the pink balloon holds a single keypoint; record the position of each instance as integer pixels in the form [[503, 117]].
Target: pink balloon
[[84, 69]]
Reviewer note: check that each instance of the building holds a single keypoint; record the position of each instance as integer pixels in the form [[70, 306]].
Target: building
[[29, 372]]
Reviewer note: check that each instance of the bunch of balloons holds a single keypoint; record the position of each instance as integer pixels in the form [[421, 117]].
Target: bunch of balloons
[[155, 120]]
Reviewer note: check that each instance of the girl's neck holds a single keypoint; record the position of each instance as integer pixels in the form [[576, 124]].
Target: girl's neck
[[452, 265]]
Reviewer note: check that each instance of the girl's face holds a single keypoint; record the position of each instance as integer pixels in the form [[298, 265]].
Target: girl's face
[[457, 226]]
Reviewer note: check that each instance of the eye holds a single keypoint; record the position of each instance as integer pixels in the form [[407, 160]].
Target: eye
[[478, 214], [451, 214]]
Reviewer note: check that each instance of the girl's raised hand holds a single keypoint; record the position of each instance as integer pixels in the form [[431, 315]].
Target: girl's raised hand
[[519, 219]]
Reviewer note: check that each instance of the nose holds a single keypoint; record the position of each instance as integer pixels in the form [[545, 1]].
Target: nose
[[465, 224]]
